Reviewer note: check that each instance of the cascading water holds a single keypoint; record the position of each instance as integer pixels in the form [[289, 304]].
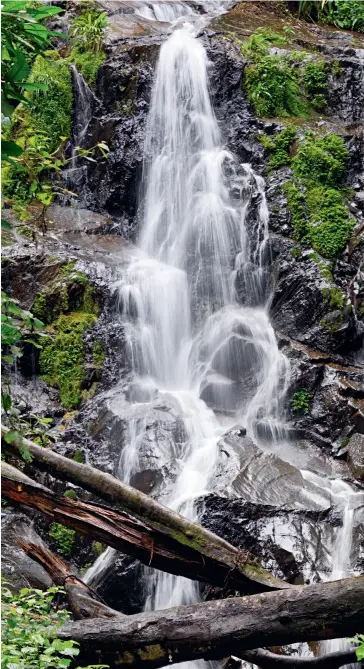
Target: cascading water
[[188, 336], [194, 300]]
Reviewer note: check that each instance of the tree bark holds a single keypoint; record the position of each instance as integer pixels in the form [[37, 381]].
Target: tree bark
[[267, 660], [231, 567], [214, 630], [124, 532], [83, 601]]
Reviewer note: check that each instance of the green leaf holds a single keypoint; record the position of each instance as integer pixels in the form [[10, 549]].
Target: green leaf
[[20, 69], [10, 149], [5, 225], [34, 87], [43, 12], [11, 436], [37, 30], [6, 402], [6, 108], [13, 6]]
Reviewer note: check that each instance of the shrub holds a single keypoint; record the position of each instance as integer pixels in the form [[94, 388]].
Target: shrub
[[29, 619], [301, 402], [64, 538], [321, 160], [273, 88], [279, 147]]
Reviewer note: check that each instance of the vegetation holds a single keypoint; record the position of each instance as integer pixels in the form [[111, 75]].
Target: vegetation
[[98, 353], [87, 33], [315, 81], [63, 355], [63, 537], [27, 619], [301, 402], [344, 14], [18, 327], [279, 147]]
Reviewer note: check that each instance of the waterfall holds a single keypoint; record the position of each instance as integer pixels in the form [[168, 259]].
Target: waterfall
[[205, 229]]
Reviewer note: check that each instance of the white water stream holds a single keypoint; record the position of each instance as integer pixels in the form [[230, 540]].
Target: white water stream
[[188, 335]]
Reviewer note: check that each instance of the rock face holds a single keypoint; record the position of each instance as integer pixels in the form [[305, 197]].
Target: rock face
[[266, 501]]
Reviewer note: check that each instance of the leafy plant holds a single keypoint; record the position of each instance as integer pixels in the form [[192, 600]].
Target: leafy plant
[[27, 619], [279, 146], [22, 37], [344, 14], [64, 538], [359, 638], [301, 402], [89, 29]]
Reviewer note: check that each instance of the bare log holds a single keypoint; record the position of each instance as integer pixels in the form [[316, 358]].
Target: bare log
[[82, 600], [267, 660], [234, 568], [124, 532], [215, 630]]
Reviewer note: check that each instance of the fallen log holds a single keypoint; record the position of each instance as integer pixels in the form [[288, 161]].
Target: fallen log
[[267, 660], [83, 601], [124, 532], [233, 565], [215, 630]]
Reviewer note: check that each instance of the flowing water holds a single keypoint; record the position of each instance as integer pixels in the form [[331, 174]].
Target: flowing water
[[204, 238]]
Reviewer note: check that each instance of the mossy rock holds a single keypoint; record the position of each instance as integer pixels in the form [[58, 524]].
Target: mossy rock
[[70, 291], [63, 356]]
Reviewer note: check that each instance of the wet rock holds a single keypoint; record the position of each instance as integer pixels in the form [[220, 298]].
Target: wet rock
[[302, 307], [356, 456], [19, 570]]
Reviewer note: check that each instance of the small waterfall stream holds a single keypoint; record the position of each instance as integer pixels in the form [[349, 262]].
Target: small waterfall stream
[[204, 235]]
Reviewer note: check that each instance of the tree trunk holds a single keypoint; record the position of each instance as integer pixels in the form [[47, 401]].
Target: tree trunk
[[214, 630], [82, 601], [208, 552]]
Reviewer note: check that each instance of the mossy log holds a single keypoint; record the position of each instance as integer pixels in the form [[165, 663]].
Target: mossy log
[[205, 556], [218, 629]]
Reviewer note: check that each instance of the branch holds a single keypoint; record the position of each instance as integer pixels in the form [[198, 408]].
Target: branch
[[83, 602], [267, 660], [231, 567], [215, 630]]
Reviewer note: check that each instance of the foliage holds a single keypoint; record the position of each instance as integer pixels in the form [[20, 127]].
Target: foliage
[[315, 81], [87, 62], [344, 14], [270, 81], [63, 355], [64, 537], [297, 206], [88, 29], [18, 327], [279, 147], [359, 638], [22, 36], [87, 33], [301, 402], [29, 618], [330, 225], [98, 353], [321, 160]]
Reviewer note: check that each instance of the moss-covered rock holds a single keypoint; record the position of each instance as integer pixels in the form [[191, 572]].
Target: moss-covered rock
[[63, 356], [87, 62]]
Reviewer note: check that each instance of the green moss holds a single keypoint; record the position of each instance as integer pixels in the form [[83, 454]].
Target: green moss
[[25, 231], [50, 111], [316, 198], [296, 252], [301, 402], [279, 146], [314, 79], [325, 267], [78, 456], [63, 537], [345, 442], [63, 355], [87, 62], [321, 160], [71, 290], [273, 88], [296, 204], [97, 547], [98, 353], [335, 300], [70, 494], [331, 225]]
